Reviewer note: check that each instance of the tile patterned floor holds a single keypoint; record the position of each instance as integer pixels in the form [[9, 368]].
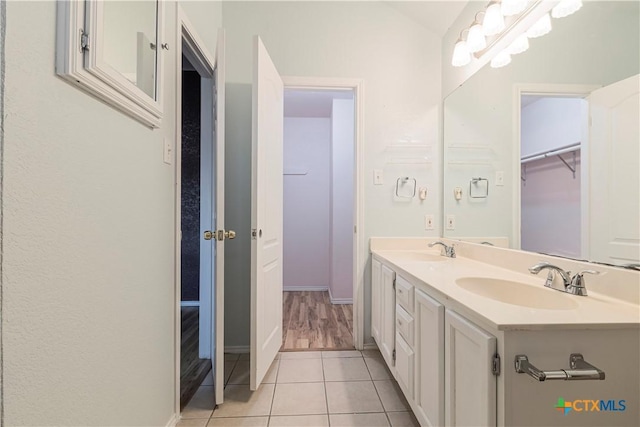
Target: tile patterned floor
[[311, 388]]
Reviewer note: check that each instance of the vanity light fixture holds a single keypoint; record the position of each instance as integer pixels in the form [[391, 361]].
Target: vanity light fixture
[[566, 8], [461, 54], [540, 28], [519, 45], [501, 59], [513, 7], [475, 39], [493, 22]]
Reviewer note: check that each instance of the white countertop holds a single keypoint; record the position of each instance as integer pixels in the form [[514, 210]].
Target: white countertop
[[595, 311]]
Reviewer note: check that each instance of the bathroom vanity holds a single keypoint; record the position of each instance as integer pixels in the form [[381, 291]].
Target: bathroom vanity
[[451, 330]]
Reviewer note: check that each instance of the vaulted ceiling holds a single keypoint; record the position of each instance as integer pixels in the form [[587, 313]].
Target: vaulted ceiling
[[436, 16]]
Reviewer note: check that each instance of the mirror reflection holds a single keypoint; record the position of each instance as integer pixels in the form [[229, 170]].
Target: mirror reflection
[[556, 184], [130, 41]]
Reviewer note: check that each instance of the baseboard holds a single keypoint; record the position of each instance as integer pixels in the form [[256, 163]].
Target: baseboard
[[173, 421], [338, 301], [304, 288], [236, 349], [189, 303], [370, 346]]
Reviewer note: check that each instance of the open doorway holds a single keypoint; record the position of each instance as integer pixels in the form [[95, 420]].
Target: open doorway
[[552, 137], [319, 219]]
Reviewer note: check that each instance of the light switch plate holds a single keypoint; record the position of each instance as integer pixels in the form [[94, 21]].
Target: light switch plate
[[428, 222], [451, 222], [499, 178], [377, 177], [167, 155]]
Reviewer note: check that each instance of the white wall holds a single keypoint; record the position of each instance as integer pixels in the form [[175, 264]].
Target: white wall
[[549, 123], [88, 241], [399, 62], [307, 148], [480, 113], [342, 200]]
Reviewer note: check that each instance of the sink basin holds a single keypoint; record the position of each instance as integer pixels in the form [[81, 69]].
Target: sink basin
[[517, 293], [420, 256]]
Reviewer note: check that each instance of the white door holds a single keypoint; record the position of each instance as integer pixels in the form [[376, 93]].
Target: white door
[[614, 177], [388, 315], [469, 382], [266, 214], [429, 396], [376, 270], [218, 302]]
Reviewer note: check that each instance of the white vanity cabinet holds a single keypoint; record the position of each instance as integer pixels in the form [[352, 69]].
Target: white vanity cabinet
[[429, 368], [470, 384], [442, 361]]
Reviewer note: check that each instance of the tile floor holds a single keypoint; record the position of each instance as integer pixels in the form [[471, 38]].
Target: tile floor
[[333, 388]]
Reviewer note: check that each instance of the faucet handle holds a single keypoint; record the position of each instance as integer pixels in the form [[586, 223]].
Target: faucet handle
[[577, 286]]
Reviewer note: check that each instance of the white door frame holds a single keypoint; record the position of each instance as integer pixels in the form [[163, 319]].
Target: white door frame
[[203, 62], [550, 90], [359, 244]]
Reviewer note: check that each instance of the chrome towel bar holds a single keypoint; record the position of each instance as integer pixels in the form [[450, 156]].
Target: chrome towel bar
[[579, 370]]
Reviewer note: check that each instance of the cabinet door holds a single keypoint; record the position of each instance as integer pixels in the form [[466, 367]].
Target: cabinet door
[[388, 312], [429, 336], [376, 290], [405, 359], [469, 382]]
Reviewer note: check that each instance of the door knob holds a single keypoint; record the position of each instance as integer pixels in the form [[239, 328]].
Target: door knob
[[208, 235], [230, 234]]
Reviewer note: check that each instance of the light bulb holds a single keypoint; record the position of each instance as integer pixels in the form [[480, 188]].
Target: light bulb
[[493, 20], [519, 45], [475, 39], [513, 7], [566, 8], [501, 59], [540, 28], [461, 54]]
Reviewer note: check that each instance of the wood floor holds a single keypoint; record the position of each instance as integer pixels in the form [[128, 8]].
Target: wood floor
[[311, 322], [192, 369]]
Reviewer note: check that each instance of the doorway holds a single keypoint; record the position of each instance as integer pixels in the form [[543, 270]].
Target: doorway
[[319, 219], [552, 137]]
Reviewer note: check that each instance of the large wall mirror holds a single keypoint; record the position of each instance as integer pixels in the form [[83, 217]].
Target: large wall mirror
[[111, 49], [544, 152]]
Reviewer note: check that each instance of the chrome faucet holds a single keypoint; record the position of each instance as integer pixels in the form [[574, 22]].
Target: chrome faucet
[[449, 251], [573, 285]]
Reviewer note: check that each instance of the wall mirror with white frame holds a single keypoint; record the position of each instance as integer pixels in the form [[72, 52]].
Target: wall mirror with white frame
[[112, 50], [556, 135]]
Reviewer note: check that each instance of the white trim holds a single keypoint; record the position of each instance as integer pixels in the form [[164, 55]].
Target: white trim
[[203, 62], [173, 421], [359, 246], [237, 349], [108, 86], [550, 90], [189, 303], [371, 346], [305, 288], [339, 301]]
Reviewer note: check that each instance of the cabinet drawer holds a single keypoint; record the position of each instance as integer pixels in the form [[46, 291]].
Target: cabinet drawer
[[404, 366], [404, 325], [404, 294]]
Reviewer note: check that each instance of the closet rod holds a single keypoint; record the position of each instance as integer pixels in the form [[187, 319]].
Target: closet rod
[[556, 151]]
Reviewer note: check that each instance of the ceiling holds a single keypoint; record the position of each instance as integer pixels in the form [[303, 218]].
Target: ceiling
[[312, 103], [436, 16]]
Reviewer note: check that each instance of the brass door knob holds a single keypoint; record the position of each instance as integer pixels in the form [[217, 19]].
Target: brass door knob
[[230, 234], [208, 235]]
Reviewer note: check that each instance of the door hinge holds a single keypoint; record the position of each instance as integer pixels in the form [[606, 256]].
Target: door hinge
[[393, 356], [84, 41], [495, 365]]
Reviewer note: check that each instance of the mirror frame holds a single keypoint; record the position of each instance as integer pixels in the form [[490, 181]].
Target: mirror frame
[[78, 30]]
